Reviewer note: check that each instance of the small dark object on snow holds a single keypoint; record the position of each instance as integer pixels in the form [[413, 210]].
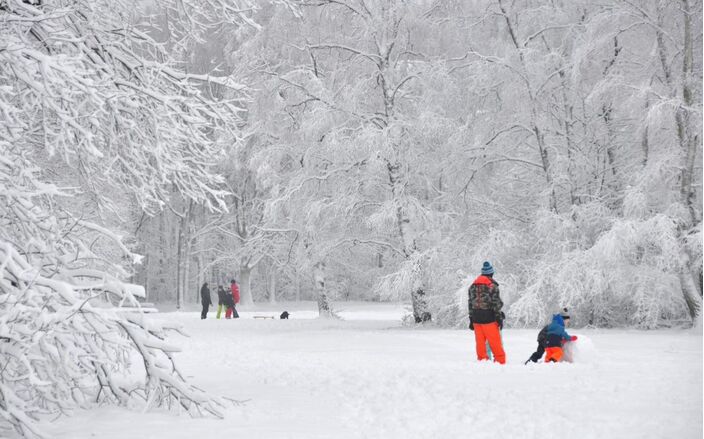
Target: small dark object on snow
[[284, 315]]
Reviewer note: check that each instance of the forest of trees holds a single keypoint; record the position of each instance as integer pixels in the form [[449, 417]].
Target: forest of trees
[[388, 148], [334, 150]]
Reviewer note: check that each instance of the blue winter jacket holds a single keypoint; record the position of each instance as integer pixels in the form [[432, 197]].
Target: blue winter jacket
[[556, 332]]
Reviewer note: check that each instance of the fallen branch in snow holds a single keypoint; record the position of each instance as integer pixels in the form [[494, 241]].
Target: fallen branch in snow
[[64, 346], [237, 402]]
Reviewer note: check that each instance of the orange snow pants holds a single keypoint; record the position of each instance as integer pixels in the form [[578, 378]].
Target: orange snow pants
[[553, 354], [489, 332]]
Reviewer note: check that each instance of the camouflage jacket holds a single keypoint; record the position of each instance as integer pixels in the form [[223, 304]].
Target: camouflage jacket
[[484, 301]]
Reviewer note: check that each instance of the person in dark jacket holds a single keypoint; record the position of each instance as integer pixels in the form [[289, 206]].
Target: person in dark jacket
[[205, 300], [543, 338], [556, 337], [485, 316], [221, 301]]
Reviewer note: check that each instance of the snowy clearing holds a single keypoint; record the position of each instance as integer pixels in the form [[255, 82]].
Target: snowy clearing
[[369, 377]]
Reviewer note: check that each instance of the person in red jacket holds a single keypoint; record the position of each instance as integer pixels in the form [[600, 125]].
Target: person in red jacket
[[485, 316], [231, 309]]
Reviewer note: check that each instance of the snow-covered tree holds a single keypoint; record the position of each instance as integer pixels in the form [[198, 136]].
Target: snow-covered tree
[[391, 147], [94, 107], [612, 193]]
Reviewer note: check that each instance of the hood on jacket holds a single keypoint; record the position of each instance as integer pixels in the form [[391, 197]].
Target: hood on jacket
[[483, 280], [557, 318]]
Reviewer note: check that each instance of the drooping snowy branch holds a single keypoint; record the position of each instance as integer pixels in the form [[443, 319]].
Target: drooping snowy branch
[[94, 103]]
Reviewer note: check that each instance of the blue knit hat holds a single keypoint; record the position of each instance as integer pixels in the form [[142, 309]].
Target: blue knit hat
[[487, 268]]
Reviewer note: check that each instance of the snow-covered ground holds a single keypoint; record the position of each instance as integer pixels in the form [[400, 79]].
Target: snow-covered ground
[[369, 377]]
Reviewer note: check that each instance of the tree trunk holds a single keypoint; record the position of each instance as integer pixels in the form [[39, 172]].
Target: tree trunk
[[691, 295], [163, 288], [403, 223], [645, 145], [187, 271], [200, 280], [298, 288], [567, 127], [324, 308], [272, 285], [179, 272], [606, 115], [420, 307], [181, 258], [688, 140], [245, 282]]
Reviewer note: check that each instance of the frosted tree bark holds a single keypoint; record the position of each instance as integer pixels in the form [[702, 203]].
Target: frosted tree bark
[[188, 292], [568, 114], [298, 288], [324, 308], [200, 277], [689, 141], [645, 140], [421, 313], [245, 282], [179, 270], [272, 285], [183, 255]]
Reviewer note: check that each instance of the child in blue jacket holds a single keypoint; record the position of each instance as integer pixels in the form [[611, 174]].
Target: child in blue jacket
[[556, 337]]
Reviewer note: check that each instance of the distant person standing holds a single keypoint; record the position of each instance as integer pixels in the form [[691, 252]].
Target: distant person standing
[[229, 304], [205, 300], [222, 301], [234, 299], [485, 316]]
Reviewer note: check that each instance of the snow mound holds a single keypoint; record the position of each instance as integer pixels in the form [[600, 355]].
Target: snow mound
[[581, 351]]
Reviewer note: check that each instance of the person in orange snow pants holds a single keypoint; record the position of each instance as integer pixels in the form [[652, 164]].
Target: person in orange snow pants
[[489, 332], [553, 354], [485, 316]]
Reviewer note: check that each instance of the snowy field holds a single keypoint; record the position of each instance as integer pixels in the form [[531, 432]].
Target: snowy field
[[369, 377]]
